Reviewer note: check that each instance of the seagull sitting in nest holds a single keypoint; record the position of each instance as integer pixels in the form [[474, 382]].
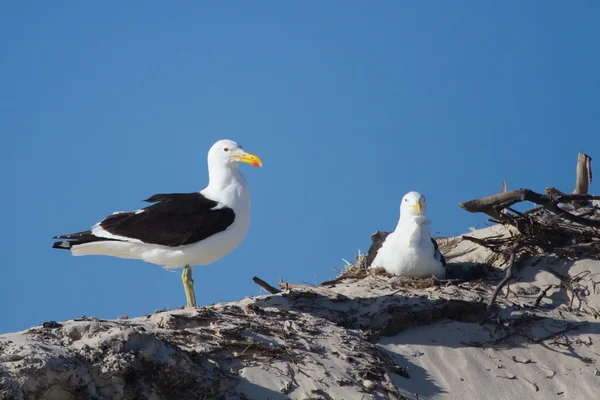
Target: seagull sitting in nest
[[409, 250], [179, 229]]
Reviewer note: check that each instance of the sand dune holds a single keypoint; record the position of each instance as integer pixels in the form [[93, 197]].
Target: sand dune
[[364, 337]]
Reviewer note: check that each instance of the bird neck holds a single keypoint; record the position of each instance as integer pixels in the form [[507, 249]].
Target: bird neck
[[221, 178], [406, 220]]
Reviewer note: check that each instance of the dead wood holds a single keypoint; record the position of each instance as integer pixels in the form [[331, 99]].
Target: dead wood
[[542, 295], [265, 285], [558, 226], [584, 174], [493, 205], [496, 206], [549, 229], [509, 275], [289, 286]]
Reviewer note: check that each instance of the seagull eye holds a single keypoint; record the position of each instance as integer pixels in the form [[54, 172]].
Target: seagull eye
[[225, 149]]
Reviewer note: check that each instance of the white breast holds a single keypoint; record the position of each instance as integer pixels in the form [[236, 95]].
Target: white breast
[[408, 251]]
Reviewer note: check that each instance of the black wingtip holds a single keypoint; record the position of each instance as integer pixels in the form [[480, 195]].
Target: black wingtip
[[64, 245], [154, 198]]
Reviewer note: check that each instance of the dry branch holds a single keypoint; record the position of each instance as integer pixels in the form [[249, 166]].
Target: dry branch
[[289, 286], [509, 275], [265, 285], [584, 174], [542, 295], [495, 206], [481, 242], [492, 205]]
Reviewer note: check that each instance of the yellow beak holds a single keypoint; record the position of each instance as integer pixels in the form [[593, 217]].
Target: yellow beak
[[417, 208], [249, 158]]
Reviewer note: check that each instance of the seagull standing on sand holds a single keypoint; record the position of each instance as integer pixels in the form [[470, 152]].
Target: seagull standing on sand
[[179, 229], [409, 250]]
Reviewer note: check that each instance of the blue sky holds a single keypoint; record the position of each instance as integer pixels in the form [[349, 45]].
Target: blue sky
[[349, 104]]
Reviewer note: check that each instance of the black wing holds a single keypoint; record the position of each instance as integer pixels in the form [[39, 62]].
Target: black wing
[[379, 237], [377, 240], [437, 254], [176, 219]]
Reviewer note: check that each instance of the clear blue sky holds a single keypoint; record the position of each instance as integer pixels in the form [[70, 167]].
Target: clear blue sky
[[350, 105]]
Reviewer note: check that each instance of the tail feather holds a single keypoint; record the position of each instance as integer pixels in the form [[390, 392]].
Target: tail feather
[[76, 239]]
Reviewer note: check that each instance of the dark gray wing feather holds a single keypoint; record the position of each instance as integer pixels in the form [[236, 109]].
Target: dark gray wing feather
[[437, 254], [377, 240]]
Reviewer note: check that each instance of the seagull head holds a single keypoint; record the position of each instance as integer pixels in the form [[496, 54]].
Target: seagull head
[[413, 204], [229, 153]]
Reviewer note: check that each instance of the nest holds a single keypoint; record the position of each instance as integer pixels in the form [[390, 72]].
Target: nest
[[359, 270]]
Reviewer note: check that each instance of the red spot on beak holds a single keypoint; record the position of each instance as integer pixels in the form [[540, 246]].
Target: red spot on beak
[[255, 164]]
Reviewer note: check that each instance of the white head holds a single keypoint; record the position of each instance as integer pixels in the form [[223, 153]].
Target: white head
[[228, 153], [413, 204]]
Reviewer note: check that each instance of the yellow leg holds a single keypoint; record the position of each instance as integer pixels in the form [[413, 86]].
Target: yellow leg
[[188, 286]]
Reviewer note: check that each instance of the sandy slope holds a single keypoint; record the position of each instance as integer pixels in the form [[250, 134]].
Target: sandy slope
[[368, 338]]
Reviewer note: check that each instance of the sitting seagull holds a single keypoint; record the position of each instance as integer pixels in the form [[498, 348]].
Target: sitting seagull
[[179, 229], [409, 250]]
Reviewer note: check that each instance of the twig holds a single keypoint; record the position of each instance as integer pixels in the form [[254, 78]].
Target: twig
[[570, 327], [520, 214], [581, 245], [478, 241], [509, 275], [265, 285], [331, 282], [541, 295]]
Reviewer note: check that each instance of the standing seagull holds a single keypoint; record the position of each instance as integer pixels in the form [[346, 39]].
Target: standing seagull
[[180, 229], [409, 250]]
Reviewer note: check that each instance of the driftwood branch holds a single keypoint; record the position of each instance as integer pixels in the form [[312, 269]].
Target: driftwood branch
[[492, 205], [265, 285], [507, 199], [509, 275], [584, 174], [495, 206], [289, 286]]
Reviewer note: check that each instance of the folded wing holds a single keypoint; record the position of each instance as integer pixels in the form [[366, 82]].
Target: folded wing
[[174, 220]]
